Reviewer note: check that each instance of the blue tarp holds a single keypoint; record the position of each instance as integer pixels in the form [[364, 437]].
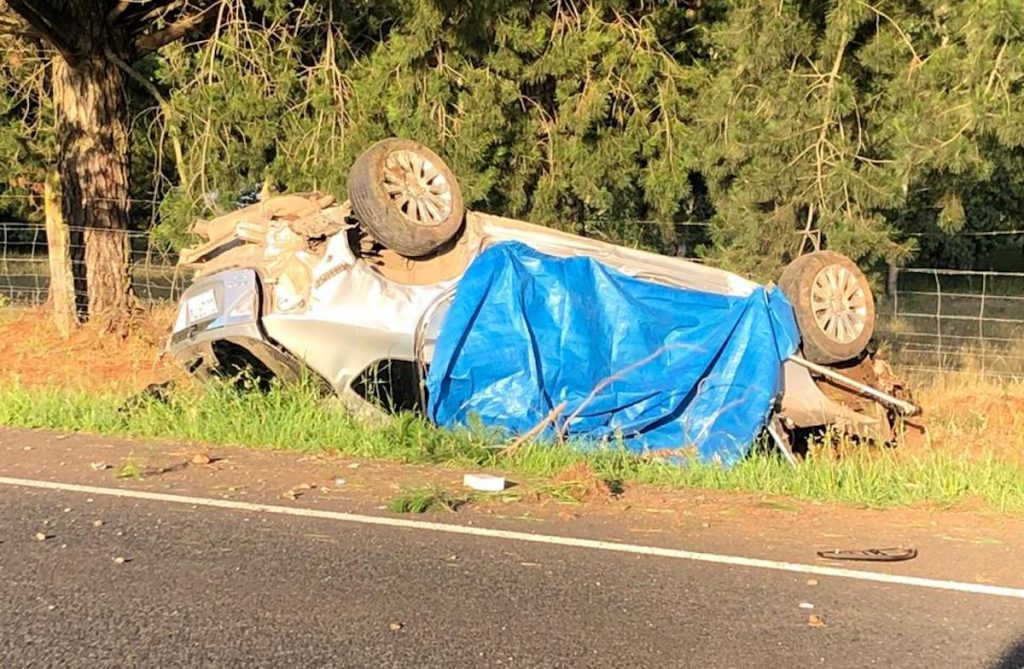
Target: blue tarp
[[691, 371]]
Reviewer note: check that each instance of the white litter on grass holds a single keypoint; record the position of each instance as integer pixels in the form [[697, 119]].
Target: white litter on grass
[[806, 605], [484, 482]]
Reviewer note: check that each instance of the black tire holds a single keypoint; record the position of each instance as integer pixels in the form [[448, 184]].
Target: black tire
[[412, 208], [827, 340]]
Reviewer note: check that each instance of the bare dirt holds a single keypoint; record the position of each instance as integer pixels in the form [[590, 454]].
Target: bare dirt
[[968, 415], [34, 354]]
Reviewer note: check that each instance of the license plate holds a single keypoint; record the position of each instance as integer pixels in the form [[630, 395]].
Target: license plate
[[201, 306]]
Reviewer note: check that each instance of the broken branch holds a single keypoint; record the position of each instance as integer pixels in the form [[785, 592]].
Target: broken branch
[[535, 430], [150, 42]]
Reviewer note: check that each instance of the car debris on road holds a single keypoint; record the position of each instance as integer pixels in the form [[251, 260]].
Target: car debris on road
[[400, 297]]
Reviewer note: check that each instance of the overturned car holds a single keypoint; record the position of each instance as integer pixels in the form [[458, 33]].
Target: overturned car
[[400, 297]]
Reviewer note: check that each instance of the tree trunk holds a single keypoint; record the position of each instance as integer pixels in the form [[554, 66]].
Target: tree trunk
[[92, 131]]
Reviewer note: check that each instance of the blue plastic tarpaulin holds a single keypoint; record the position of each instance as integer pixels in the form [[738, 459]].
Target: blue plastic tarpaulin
[[652, 366]]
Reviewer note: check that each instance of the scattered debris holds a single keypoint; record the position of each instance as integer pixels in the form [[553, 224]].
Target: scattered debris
[[812, 581], [99, 466], [816, 621], [120, 560], [806, 605], [394, 627], [41, 537], [338, 482], [97, 523], [200, 459], [897, 554], [484, 482]]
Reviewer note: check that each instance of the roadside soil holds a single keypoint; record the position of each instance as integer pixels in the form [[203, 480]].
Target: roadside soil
[[33, 353], [961, 544]]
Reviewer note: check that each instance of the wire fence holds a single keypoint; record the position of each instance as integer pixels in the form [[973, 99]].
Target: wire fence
[[933, 320], [25, 271], [940, 320]]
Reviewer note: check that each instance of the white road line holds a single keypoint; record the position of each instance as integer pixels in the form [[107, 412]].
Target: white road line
[[674, 553]]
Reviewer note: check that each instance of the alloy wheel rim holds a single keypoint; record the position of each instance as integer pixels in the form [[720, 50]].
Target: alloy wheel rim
[[417, 188], [839, 303]]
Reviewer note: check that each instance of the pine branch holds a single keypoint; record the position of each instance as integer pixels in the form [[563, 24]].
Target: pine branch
[[49, 22], [144, 12], [16, 28], [119, 9], [149, 42], [166, 108]]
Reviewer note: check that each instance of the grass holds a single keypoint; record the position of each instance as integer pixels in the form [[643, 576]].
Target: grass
[[429, 498], [298, 418], [128, 468]]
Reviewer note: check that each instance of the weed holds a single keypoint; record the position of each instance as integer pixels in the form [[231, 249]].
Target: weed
[[128, 468], [421, 500]]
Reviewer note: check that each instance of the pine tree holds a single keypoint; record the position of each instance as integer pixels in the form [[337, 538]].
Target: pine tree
[[89, 46]]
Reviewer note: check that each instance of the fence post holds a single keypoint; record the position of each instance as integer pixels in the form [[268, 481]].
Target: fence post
[[58, 240], [892, 279], [981, 319]]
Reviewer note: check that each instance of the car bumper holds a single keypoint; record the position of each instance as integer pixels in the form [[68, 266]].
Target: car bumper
[[219, 316]]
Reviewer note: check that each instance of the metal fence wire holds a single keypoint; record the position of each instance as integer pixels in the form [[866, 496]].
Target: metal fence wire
[[25, 271], [945, 319], [934, 320]]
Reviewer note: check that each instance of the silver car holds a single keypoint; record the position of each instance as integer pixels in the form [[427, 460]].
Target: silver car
[[353, 293]]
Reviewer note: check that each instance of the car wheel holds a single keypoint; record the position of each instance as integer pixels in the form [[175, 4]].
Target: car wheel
[[405, 196], [833, 304]]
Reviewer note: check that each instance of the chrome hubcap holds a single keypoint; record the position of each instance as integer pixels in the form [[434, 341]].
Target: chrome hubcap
[[417, 188], [839, 304]]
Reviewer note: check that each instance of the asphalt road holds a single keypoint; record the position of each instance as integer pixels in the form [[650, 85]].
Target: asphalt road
[[213, 587]]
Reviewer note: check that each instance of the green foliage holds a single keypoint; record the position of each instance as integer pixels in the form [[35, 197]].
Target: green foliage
[[890, 126], [26, 116], [835, 112], [556, 114]]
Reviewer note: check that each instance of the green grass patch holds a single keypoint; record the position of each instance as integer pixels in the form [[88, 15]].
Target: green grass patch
[[430, 498], [128, 468], [299, 418]]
